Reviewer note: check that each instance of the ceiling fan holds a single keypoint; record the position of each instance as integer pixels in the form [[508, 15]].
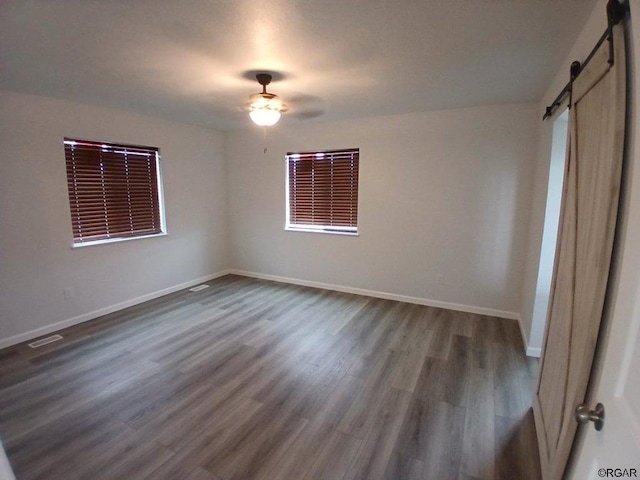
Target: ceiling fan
[[265, 108]]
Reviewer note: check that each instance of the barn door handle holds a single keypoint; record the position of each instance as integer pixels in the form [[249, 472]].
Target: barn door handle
[[584, 415]]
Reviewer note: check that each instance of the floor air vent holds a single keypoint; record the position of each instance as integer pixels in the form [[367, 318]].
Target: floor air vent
[[45, 341], [197, 288]]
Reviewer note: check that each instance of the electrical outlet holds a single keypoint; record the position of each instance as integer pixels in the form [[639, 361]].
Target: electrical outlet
[[440, 279], [69, 292]]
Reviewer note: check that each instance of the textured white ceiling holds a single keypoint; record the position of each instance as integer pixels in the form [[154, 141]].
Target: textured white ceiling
[[191, 60]]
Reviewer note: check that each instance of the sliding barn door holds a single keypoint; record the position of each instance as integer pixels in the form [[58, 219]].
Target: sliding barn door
[[583, 256]]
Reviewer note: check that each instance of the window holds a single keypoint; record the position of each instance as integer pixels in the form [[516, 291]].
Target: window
[[322, 191], [114, 191]]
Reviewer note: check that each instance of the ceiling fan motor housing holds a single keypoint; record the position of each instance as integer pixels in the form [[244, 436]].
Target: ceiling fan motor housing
[[264, 79]]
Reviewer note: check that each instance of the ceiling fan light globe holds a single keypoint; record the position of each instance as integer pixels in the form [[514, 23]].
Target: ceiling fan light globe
[[265, 117]]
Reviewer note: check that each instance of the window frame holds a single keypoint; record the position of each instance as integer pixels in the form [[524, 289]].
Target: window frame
[[320, 228], [117, 147]]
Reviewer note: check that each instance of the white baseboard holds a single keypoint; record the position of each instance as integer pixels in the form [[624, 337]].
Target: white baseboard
[[534, 352], [387, 296], [5, 467], [30, 335], [530, 351]]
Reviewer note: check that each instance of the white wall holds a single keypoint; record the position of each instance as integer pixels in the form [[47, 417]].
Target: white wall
[[588, 37], [550, 235], [440, 193], [36, 259]]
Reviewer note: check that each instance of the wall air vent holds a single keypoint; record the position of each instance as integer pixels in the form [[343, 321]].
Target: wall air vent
[[197, 288], [45, 341]]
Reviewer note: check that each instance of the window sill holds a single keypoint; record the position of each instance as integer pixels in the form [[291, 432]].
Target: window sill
[[318, 230], [116, 240]]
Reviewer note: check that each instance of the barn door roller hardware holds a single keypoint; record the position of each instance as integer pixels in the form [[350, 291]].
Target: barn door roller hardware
[[617, 11]]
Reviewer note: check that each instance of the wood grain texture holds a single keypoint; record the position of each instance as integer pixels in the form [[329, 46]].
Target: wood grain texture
[[257, 380], [586, 232]]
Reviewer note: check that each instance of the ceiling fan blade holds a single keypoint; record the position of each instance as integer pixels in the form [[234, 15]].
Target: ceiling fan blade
[[306, 107]]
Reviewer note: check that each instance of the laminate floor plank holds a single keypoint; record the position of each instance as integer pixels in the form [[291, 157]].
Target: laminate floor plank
[[335, 457], [433, 432], [443, 441], [302, 455], [100, 332], [458, 368], [313, 390], [302, 309], [197, 473], [245, 293], [513, 387], [128, 330], [152, 395], [401, 467], [415, 331], [258, 380], [253, 450], [200, 474], [59, 398], [165, 339], [284, 334], [442, 328], [347, 307], [242, 365], [408, 372], [362, 414], [516, 448], [133, 458], [279, 303], [306, 326], [463, 324], [482, 343], [373, 342], [185, 351], [478, 446], [330, 350], [71, 463], [208, 411], [339, 347], [212, 353], [201, 446], [287, 385], [182, 414], [15, 369], [62, 442], [299, 342], [373, 457], [431, 380], [462, 476]]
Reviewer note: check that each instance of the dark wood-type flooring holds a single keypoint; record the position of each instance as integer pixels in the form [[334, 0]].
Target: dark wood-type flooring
[[251, 379]]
